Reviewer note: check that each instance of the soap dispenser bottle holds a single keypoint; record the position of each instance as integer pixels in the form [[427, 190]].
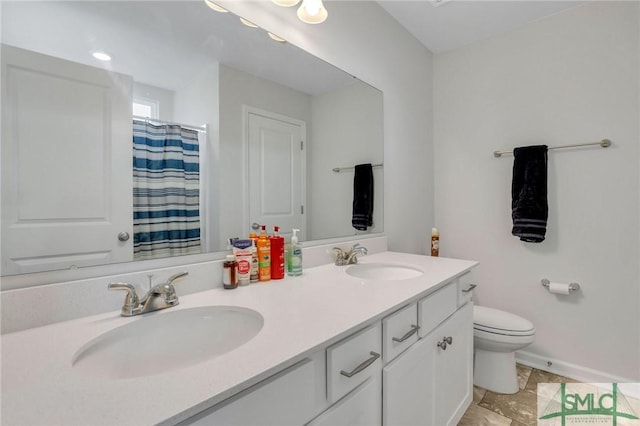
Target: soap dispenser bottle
[[294, 263]]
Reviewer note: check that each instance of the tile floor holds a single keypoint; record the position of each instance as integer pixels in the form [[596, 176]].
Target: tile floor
[[492, 409]]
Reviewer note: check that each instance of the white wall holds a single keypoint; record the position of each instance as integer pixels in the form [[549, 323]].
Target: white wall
[[362, 39], [570, 78], [346, 130], [196, 104]]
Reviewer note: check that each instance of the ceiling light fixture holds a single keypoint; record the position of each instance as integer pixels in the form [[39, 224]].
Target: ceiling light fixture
[[215, 6], [286, 3], [276, 38], [101, 56], [248, 23], [312, 12]]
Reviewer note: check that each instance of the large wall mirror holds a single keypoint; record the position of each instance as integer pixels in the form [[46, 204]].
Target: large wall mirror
[[197, 128]]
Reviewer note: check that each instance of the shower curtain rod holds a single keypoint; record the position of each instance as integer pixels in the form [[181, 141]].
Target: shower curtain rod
[[202, 128], [603, 143]]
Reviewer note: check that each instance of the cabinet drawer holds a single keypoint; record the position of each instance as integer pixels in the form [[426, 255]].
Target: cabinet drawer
[[361, 407], [399, 331], [352, 361], [285, 398], [465, 289], [436, 307]]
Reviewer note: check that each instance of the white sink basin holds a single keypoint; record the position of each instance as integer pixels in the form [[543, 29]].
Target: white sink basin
[[164, 341], [383, 271]]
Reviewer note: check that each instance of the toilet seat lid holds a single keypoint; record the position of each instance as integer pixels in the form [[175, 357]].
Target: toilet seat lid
[[501, 322]]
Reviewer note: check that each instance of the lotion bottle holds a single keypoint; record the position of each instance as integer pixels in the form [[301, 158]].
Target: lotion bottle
[[264, 256], [295, 257]]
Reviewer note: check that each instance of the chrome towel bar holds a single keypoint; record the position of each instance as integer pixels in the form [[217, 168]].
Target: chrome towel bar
[[605, 143]]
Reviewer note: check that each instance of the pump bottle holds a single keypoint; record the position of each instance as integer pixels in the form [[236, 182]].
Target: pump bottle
[[294, 263]]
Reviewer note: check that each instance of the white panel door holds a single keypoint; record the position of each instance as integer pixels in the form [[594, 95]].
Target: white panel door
[[66, 164], [276, 171]]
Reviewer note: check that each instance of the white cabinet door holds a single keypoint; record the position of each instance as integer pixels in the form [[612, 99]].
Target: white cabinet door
[[66, 164], [359, 408], [409, 386], [454, 367], [431, 384]]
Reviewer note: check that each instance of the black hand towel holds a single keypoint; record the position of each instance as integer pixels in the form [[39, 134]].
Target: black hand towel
[[362, 197], [529, 208]]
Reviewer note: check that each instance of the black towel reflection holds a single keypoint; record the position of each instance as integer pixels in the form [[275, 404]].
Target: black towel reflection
[[362, 216]]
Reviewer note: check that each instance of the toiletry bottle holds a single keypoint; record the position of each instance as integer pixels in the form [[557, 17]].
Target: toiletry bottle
[[435, 242], [253, 274], [254, 259], [295, 260], [242, 251], [229, 275], [277, 254], [264, 256]]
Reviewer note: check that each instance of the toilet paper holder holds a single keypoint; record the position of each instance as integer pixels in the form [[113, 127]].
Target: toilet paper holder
[[572, 286]]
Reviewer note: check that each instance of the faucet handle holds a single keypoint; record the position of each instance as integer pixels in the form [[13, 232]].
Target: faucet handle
[[339, 256], [167, 290], [131, 302]]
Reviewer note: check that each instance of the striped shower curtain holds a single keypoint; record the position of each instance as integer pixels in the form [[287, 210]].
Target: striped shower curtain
[[166, 191]]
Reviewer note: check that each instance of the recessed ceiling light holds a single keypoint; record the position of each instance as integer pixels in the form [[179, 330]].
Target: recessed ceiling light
[[276, 38], [215, 6], [101, 56]]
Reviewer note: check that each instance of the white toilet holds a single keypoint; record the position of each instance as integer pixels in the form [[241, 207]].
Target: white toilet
[[496, 337]]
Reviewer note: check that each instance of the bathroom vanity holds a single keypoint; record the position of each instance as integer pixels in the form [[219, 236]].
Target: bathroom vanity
[[386, 341]]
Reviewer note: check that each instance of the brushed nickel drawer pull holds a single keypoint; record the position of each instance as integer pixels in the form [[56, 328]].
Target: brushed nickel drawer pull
[[365, 364], [414, 330], [471, 287]]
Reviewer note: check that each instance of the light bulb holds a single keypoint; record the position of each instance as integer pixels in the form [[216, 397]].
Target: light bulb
[[312, 12], [215, 6], [286, 3]]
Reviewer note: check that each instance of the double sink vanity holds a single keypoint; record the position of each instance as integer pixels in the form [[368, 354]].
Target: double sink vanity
[[386, 341]]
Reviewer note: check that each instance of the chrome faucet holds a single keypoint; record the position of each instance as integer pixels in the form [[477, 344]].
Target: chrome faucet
[[349, 257], [160, 296]]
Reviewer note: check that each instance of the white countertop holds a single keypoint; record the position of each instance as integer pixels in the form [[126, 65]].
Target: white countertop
[[301, 314]]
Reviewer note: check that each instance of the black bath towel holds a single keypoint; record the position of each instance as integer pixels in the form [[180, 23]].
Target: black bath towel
[[362, 216], [529, 208]]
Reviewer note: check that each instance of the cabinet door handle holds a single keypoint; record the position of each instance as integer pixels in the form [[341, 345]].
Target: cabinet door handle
[[362, 366], [471, 287], [414, 330]]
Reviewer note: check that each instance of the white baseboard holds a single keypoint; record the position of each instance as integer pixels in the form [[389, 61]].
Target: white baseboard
[[567, 369]]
